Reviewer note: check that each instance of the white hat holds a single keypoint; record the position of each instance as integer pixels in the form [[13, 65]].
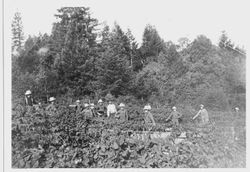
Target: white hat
[[100, 101], [27, 92], [121, 105], [201, 105], [147, 107], [77, 101], [52, 99], [86, 105], [174, 108], [237, 108], [92, 105]]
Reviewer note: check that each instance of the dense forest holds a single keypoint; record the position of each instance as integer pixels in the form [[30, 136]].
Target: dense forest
[[79, 59]]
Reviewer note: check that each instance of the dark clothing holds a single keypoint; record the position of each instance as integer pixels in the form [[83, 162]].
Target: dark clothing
[[122, 115], [175, 117], [100, 109], [93, 112], [88, 114], [78, 108], [29, 101]]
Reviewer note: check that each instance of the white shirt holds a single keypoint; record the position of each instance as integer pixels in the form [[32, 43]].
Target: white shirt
[[111, 109]]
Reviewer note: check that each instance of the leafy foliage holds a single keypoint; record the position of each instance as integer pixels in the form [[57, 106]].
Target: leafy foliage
[[152, 44], [78, 61], [67, 140]]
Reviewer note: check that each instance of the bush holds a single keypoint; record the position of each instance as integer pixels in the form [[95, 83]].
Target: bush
[[66, 140]]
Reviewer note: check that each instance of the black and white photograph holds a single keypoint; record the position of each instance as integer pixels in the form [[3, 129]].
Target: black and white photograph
[[114, 84]]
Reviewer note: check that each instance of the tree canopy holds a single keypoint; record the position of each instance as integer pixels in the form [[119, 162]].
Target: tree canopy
[[79, 59]]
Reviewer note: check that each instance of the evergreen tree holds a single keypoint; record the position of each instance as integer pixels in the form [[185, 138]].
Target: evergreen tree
[[135, 58], [17, 33], [223, 39], [72, 62], [74, 45], [28, 60], [171, 53], [114, 72], [152, 44]]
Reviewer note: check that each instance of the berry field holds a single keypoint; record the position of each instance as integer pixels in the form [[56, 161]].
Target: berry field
[[66, 140]]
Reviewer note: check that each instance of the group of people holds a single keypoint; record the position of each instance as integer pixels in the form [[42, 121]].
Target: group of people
[[175, 116], [88, 110], [109, 110], [30, 102]]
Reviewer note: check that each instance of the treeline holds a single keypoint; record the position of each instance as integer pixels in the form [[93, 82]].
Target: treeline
[[78, 59]]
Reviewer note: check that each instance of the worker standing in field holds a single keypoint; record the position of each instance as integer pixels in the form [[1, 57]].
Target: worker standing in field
[[87, 115], [29, 101], [175, 116], [203, 115], [51, 108], [78, 107], [111, 109], [87, 112], [148, 118], [235, 125], [93, 110], [122, 114], [237, 111], [100, 109]]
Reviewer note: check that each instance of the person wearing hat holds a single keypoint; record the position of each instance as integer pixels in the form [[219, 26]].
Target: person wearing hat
[[175, 116], [237, 111], [87, 112], [29, 101], [92, 106], [100, 109], [235, 124], [78, 107], [203, 115], [51, 108], [148, 118], [87, 116], [122, 114], [93, 109], [111, 109]]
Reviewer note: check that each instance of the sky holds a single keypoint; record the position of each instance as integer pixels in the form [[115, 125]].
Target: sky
[[173, 19]]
